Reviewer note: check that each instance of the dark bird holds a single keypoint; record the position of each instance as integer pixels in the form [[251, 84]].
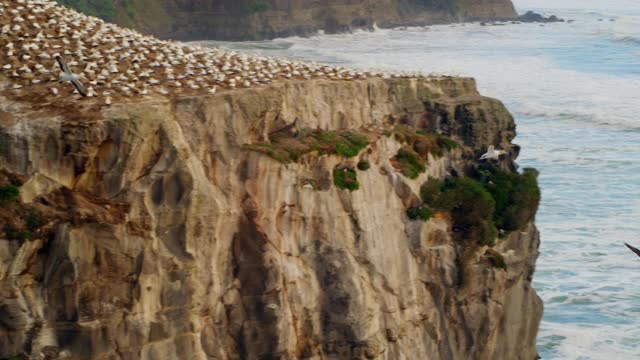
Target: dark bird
[[635, 250], [67, 75]]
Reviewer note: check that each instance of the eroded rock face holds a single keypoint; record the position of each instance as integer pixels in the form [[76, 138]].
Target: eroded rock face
[[174, 241]]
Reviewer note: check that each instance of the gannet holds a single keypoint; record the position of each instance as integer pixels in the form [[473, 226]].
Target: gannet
[[492, 153], [635, 250], [67, 75]]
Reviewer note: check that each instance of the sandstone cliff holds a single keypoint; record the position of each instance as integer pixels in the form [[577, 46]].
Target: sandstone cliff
[[265, 19], [161, 236]]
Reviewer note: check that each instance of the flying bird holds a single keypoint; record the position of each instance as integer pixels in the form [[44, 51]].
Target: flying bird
[[492, 153], [67, 75], [635, 250]]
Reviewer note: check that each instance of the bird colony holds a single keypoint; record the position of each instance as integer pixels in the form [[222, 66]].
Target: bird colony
[[115, 63]]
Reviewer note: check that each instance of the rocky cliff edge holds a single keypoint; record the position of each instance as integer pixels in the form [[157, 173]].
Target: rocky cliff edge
[[155, 231]]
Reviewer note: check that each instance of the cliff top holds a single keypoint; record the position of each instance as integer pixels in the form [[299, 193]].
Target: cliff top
[[116, 63]]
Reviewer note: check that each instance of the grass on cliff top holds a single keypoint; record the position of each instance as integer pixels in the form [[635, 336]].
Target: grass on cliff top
[[412, 157], [290, 148], [493, 199]]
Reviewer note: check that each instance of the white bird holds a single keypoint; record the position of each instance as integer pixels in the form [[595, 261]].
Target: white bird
[[67, 75], [492, 153]]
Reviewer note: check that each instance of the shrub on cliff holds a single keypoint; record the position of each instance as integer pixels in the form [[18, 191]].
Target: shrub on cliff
[[471, 208], [470, 205], [8, 193], [420, 212], [447, 143], [345, 179], [492, 199], [431, 190], [13, 233], [517, 197], [363, 165]]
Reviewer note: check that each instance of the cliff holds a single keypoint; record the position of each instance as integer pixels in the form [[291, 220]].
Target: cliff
[[266, 19], [314, 212], [170, 239]]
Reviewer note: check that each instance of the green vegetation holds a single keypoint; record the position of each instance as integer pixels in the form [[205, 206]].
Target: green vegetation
[[255, 6], [447, 143], [517, 196], [33, 220], [471, 207], [363, 165], [412, 157], [345, 179], [8, 193], [345, 143], [104, 9], [290, 148], [496, 259], [431, 191], [497, 199], [423, 142], [409, 162], [420, 212], [16, 234]]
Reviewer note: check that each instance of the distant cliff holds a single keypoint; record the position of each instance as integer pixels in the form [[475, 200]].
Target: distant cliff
[[264, 19]]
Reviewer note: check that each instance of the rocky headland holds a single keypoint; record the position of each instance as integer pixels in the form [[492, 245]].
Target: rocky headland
[[266, 19], [322, 213]]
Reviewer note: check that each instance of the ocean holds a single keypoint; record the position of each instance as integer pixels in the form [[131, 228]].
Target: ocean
[[574, 89]]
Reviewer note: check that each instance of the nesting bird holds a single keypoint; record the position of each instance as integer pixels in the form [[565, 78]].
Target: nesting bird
[[118, 63]]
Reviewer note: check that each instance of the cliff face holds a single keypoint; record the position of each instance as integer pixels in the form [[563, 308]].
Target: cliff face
[[262, 19], [167, 238]]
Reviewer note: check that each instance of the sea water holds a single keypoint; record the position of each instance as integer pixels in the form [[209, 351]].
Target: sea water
[[574, 89]]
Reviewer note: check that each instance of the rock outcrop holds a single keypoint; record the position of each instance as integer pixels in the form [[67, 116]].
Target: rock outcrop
[[161, 236], [265, 19]]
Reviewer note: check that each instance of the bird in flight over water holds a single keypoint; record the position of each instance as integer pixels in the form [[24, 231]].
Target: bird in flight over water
[[492, 153], [635, 250], [67, 75]]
